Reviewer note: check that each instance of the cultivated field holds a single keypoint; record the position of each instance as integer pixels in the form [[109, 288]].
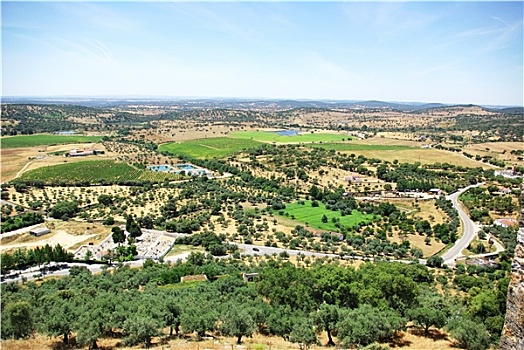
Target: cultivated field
[[218, 147], [45, 139], [300, 137], [18, 160], [95, 171], [312, 216]]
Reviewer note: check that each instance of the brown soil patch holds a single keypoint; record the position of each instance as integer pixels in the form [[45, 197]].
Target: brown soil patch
[[413, 339], [69, 235]]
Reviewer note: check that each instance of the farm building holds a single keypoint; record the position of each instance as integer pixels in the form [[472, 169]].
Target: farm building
[[436, 191], [506, 222], [83, 153], [353, 179], [37, 232]]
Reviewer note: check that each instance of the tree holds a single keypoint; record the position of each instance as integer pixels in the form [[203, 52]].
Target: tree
[[367, 324], [430, 311], [237, 321], [172, 315], [303, 333], [64, 210], [132, 227], [471, 335], [18, 320], [435, 261], [105, 200], [198, 314], [140, 329], [58, 314], [94, 315], [118, 235], [326, 318]]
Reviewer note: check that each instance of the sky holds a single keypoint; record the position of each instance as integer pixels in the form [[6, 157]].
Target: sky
[[448, 52]]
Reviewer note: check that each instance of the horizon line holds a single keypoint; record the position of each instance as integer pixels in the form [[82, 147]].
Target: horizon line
[[188, 98]]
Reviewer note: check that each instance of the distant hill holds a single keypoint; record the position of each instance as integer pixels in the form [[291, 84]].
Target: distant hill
[[510, 110], [246, 103]]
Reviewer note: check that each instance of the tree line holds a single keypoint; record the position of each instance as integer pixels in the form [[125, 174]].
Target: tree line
[[354, 307]]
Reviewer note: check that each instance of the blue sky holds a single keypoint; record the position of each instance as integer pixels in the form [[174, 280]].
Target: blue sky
[[451, 52]]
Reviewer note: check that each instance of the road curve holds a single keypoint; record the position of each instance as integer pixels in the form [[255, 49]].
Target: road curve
[[470, 229]]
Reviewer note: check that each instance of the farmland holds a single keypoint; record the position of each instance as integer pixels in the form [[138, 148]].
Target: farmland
[[271, 136], [95, 171], [218, 147], [45, 139], [312, 216], [361, 147], [318, 191]]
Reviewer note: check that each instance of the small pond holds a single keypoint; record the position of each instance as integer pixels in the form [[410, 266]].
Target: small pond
[[287, 132]]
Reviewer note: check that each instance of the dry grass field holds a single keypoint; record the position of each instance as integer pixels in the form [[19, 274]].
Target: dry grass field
[[184, 130], [411, 339], [497, 150], [416, 154], [16, 161], [69, 234]]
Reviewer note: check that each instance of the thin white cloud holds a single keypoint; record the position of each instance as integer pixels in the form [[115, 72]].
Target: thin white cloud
[[433, 69]]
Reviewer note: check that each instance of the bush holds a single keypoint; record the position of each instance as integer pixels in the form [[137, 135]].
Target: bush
[[64, 210]]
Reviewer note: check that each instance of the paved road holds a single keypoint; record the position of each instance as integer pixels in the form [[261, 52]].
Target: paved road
[[470, 229]]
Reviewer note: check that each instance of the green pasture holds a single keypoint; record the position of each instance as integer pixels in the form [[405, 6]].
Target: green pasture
[[218, 147], [269, 136], [305, 213], [360, 147], [45, 139], [95, 171]]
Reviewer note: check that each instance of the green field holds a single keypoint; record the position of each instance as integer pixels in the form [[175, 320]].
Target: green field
[[269, 136], [45, 139], [218, 147], [305, 213], [95, 171], [361, 147]]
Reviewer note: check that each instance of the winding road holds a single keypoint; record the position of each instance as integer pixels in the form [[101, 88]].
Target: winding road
[[450, 257], [470, 229]]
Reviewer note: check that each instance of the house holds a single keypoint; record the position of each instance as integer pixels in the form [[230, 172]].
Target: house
[[436, 191], [504, 190], [37, 232], [505, 222], [353, 179], [78, 153]]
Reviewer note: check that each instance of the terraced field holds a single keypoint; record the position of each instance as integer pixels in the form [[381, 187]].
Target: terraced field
[[218, 147], [45, 139]]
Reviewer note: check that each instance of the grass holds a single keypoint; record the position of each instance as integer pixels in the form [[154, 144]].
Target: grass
[[305, 213], [95, 171], [360, 147], [218, 147], [269, 136], [183, 248], [45, 139]]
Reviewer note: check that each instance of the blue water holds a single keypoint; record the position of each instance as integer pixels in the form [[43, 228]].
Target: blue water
[[185, 166], [287, 132], [68, 132], [160, 168]]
